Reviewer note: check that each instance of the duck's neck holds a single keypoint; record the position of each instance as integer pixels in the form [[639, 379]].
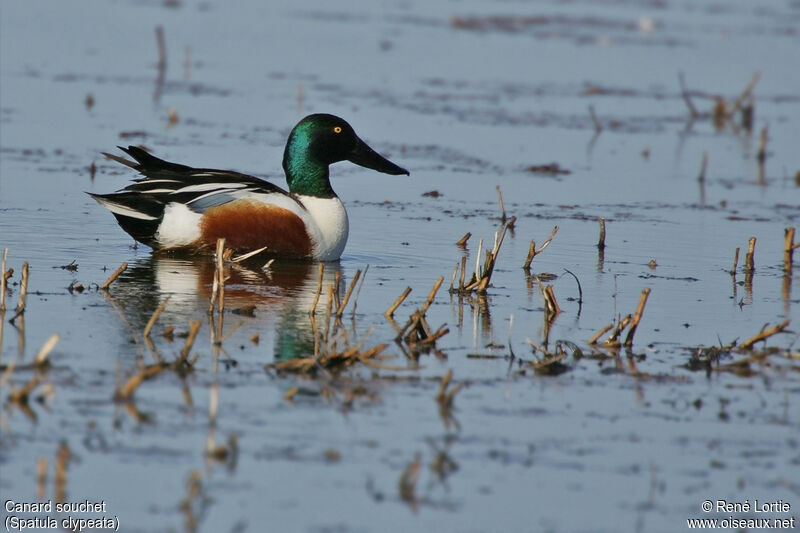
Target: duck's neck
[[305, 174]]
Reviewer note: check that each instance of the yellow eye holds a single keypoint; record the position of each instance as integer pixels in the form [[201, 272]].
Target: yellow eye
[[337, 129]]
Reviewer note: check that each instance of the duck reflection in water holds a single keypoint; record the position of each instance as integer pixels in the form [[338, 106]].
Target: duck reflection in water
[[278, 298]]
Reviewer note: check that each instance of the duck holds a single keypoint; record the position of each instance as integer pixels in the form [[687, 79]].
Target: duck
[[178, 207]]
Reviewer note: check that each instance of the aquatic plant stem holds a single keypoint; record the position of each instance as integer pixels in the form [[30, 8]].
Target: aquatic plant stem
[[637, 317]]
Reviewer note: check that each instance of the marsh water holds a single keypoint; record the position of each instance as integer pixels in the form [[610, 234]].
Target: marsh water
[[469, 96]]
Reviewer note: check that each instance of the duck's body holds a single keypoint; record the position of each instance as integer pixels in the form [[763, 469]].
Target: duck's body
[[180, 207]]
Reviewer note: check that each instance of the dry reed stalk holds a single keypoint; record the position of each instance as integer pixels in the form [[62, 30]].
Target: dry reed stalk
[[746, 345], [215, 282], [503, 217], [749, 258], [477, 274], [637, 317], [613, 339], [125, 393], [483, 277], [3, 280], [358, 291], [433, 337], [340, 310], [47, 347], [248, 255], [152, 322], [531, 255], [337, 283], [220, 270], [463, 273], [599, 334], [390, 312], [194, 326], [735, 262], [788, 248], [533, 252], [551, 305], [431, 296], [462, 242], [601, 243], [321, 270], [23, 289], [114, 276]]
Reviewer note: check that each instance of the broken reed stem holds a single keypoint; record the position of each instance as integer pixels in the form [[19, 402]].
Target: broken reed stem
[[463, 273], [390, 312], [749, 258], [220, 273], [462, 242], [3, 280], [431, 296], [613, 339], [637, 317], [127, 390], [601, 243], [597, 126], [531, 255], [152, 321], [114, 276], [599, 334], [764, 334], [47, 347], [703, 166], [551, 305], [194, 326], [23, 288], [533, 252], [337, 282], [358, 291], [685, 95], [735, 262], [788, 248], [321, 270], [503, 217], [441, 332], [340, 310]]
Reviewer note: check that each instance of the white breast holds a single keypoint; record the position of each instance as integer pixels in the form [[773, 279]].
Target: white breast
[[326, 220]]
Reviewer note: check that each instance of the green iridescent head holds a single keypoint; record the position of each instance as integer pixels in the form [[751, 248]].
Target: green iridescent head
[[320, 140]]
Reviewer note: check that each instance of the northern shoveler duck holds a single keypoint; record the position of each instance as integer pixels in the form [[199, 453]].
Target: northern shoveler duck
[[179, 207]]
